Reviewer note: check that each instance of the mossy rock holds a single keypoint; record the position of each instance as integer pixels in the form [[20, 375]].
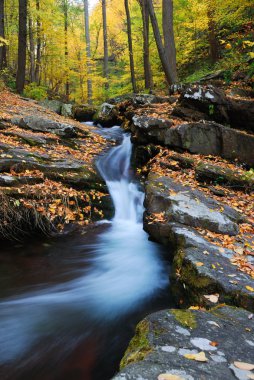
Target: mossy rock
[[139, 346], [185, 317]]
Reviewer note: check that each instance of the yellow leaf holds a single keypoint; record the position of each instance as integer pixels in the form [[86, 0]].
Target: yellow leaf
[[200, 357], [212, 298], [249, 288], [244, 366], [168, 376]]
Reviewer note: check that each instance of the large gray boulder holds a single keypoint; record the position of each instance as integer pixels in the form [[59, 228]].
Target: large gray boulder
[[52, 105], [41, 124], [66, 110], [84, 112], [190, 207], [165, 342], [107, 115], [148, 128]]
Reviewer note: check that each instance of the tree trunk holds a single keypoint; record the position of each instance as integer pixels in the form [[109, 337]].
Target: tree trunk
[[105, 42], [38, 43], [31, 51], [66, 51], [212, 37], [146, 50], [161, 50], [132, 67], [88, 54], [168, 33], [3, 57], [21, 72]]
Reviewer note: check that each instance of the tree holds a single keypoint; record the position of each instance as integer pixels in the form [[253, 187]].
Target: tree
[[38, 44], [163, 53], [3, 58], [66, 51], [146, 49], [169, 39], [105, 42], [132, 67], [22, 45], [88, 53], [212, 37]]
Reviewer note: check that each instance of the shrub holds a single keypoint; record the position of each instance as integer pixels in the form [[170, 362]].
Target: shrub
[[35, 92]]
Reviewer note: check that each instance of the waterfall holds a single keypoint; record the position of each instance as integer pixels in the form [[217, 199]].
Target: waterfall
[[115, 169], [124, 271]]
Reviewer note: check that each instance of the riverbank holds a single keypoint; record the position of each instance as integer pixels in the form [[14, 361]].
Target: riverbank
[[48, 180]]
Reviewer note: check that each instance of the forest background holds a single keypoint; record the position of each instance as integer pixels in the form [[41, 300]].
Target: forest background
[[209, 35]]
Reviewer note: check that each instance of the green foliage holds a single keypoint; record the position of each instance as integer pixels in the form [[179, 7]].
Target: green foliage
[[8, 78], [249, 175], [35, 92]]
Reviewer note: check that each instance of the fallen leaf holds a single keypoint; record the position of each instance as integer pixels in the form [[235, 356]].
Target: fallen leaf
[[168, 376], [200, 357], [249, 288], [244, 366], [199, 264], [212, 298], [214, 344]]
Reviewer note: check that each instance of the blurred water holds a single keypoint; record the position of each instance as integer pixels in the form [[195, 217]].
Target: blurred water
[[123, 271]]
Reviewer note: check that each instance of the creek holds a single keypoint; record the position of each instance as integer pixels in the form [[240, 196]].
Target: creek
[[69, 305]]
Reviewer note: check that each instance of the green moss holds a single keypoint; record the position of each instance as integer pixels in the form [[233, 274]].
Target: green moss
[[139, 346], [186, 318]]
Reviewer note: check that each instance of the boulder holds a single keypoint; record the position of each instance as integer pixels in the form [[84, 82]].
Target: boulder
[[107, 115], [214, 174], [151, 129], [190, 207], [66, 110], [8, 180], [209, 100], [168, 341], [206, 138], [84, 112], [241, 114], [52, 105], [41, 124]]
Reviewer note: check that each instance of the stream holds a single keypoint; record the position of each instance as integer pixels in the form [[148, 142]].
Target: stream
[[69, 305]]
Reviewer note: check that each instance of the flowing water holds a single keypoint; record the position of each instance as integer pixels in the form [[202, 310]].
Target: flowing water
[[69, 306]]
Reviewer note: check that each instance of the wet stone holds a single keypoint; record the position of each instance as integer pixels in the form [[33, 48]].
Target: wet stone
[[221, 333]]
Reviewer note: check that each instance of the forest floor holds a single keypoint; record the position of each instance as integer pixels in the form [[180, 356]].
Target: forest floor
[[41, 181]]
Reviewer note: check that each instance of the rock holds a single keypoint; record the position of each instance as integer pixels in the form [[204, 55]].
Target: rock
[[66, 110], [107, 115], [143, 153], [216, 75], [84, 112], [41, 124], [190, 207], [141, 99], [210, 138], [223, 334], [213, 174], [52, 105], [241, 114], [8, 180], [148, 129], [242, 92], [209, 100], [214, 105], [181, 160]]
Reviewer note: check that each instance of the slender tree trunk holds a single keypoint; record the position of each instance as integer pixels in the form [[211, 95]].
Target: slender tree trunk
[[31, 51], [38, 43], [161, 50], [105, 42], [132, 66], [21, 72], [212, 37], [88, 54], [66, 51], [169, 39], [3, 57], [146, 50]]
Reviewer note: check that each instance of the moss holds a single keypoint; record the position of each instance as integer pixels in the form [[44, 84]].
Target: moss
[[190, 276], [186, 318], [139, 346]]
